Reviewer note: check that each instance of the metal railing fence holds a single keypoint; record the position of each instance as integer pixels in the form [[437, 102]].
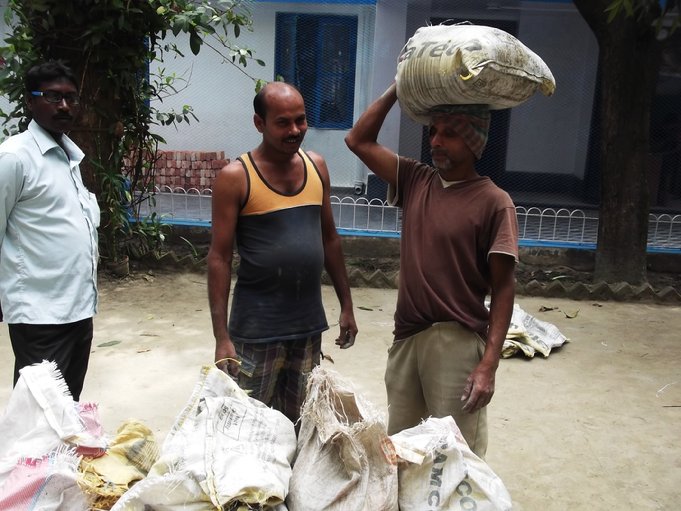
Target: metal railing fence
[[360, 216]]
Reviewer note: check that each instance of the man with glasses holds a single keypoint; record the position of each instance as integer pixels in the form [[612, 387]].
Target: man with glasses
[[48, 232]]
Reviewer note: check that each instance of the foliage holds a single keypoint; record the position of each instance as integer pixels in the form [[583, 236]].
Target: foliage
[[644, 10], [110, 44]]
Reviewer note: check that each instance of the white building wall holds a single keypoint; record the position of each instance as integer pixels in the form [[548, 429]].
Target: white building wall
[[379, 62], [549, 135], [222, 96]]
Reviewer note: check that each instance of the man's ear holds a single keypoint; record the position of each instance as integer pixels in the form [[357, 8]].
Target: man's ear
[[259, 123]]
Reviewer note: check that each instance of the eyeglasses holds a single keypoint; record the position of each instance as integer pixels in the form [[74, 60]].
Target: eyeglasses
[[52, 96]]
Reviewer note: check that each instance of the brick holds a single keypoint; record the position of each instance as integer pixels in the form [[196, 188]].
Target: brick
[[555, 289], [645, 292], [669, 295], [578, 291], [622, 291], [602, 291], [534, 288]]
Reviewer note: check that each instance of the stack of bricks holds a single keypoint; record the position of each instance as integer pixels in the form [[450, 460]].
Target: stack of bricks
[[188, 169]]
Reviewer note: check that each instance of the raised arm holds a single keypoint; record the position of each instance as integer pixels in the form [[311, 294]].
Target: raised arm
[[363, 138], [229, 189], [334, 261]]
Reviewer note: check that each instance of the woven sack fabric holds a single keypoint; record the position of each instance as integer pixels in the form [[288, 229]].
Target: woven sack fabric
[[467, 64]]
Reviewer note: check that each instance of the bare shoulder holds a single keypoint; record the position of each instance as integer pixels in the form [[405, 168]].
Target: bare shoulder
[[319, 161], [231, 173], [230, 181], [316, 157], [234, 167]]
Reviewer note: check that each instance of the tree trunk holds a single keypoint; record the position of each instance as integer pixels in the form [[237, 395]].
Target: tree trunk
[[628, 71], [628, 65]]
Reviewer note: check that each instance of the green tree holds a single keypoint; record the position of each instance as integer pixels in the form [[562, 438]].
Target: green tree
[[110, 45], [631, 35]]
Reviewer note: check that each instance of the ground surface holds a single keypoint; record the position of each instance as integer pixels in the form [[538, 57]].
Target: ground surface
[[593, 426]]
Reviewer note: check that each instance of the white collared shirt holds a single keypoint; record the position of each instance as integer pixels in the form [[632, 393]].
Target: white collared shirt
[[48, 231]]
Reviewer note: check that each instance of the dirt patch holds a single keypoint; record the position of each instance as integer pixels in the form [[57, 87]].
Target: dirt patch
[[589, 427]]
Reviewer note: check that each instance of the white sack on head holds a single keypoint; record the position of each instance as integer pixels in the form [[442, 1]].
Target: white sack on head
[[467, 64]]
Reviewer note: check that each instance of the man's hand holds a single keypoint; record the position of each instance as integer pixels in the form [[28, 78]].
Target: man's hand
[[479, 388], [226, 358], [348, 331]]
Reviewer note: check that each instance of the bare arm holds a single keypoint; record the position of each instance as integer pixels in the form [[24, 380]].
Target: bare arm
[[363, 138], [334, 261], [480, 385], [228, 190]]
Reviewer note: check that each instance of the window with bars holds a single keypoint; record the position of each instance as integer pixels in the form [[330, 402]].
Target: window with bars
[[316, 53]]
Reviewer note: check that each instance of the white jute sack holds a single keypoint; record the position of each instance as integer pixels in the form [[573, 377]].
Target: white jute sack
[[224, 450], [345, 459], [467, 64], [438, 471], [50, 483], [41, 416]]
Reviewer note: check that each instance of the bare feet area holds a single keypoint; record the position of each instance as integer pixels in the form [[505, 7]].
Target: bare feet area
[[593, 426]]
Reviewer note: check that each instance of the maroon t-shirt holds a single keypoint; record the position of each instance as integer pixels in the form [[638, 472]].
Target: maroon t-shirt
[[447, 236]]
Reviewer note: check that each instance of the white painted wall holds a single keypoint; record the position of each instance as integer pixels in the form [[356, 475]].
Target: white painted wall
[[550, 134], [222, 96], [379, 59]]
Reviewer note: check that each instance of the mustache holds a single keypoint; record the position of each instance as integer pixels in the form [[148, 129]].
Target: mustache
[[63, 117]]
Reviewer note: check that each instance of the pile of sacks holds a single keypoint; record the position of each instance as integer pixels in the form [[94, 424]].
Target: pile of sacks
[[228, 451], [467, 64], [54, 454]]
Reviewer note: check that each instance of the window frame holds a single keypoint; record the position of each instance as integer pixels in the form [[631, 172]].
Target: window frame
[[309, 70]]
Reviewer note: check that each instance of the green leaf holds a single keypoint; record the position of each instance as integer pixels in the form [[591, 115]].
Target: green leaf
[[108, 343], [195, 42]]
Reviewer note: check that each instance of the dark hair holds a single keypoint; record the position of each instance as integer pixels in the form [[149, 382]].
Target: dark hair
[[259, 106], [46, 72], [259, 101]]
